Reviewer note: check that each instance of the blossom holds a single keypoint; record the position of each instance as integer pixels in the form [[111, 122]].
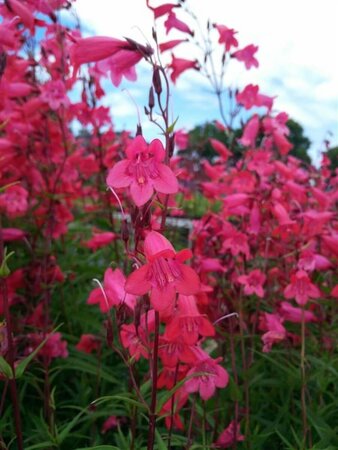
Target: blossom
[[161, 10], [14, 201], [164, 46], [100, 239], [114, 292], [173, 22], [229, 436], [226, 36], [250, 97], [250, 132], [275, 331], [246, 55], [143, 171], [188, 323], [206, 376], [54, 93], [293, 314], [301, 288], [220, 148], [164, 274], [88, 343], [94, 49], [179, 65], [253, 283]]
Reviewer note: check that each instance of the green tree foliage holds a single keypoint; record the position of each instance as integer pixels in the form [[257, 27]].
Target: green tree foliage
[[300, 142]]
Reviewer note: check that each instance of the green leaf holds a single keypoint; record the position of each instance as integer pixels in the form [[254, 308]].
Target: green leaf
[[5, 368], [171, 127], [99, 447], [160, 442]]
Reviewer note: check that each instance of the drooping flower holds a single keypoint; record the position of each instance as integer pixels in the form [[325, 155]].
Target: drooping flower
[[188, 323], [143, 171], [161, 10], [173, 22], [206, 376], [114, 292], [226, 36], [246, 55], [97, 48], [229, 436], [250, 97], [275, 330], [88, 343], [54, 93], [164, 274], [179, 65], [253, 283], [250, 132], [301, 288]]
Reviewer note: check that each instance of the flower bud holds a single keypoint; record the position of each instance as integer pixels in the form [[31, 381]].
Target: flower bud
[[157, 81]]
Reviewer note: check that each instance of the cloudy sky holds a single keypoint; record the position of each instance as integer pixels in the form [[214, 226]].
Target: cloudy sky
[[298, 51]]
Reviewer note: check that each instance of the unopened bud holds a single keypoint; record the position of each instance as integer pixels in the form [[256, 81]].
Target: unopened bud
[[3, 339], [157, 81], [125, 231], [171, 145], [3, 61], [154, 34], [151, 100], [138, 130]]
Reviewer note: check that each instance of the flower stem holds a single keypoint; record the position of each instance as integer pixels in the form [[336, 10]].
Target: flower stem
[[152, 414]]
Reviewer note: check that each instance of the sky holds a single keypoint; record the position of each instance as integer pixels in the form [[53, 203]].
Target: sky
[[298, 57]]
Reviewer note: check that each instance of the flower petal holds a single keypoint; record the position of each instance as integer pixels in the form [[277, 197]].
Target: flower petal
[[162, 299], [141, 193], [118, 176], [157, 149], [166, 182], [189, 283], [137, 282]]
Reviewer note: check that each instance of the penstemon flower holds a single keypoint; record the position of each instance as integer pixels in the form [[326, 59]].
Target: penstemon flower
[[143, 171]]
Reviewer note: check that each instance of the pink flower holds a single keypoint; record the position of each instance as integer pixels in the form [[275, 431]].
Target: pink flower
[[301, 288], [250, 97], [227, 36], [108, 424], [229, 436], [220, 148], [253, 283], [276, 331], [250, 132], [246, 55], [54, 93], [14, 201], [88, 343], [100, 239], [206, 376], [292, 314], [114, 292], [188, 323], [97, 48], [170, 44], [161, 10], [143, 171], [164, 274], [173, 22], [179, 65]]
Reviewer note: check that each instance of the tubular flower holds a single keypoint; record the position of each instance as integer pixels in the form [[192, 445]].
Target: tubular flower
[[143, 171], [164, 274]]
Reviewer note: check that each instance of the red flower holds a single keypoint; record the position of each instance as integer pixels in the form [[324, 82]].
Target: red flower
[[275, 331], [253, 283], [188, 324], [173, 22], [88, 343], [229, 436], [143, 171], [179, 65], [227, 36], [246, 55], [114, 292], [164, 274], [301, 288], [206, 375]]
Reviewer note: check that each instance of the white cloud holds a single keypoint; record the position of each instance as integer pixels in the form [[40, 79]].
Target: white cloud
[[297, 53]]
